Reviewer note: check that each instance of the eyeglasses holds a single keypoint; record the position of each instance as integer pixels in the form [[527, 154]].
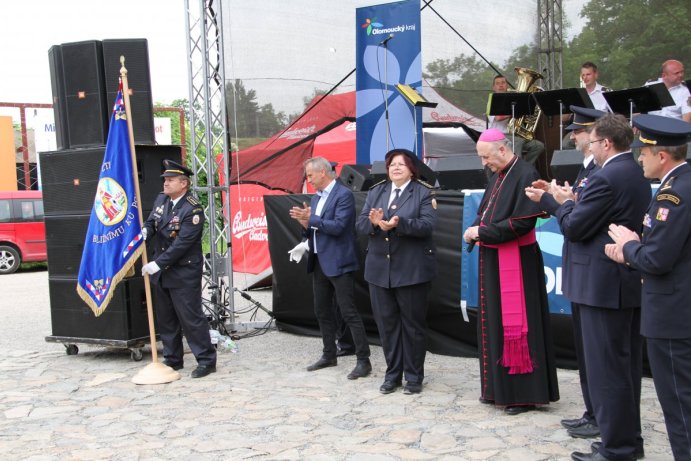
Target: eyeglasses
[[597, 140]]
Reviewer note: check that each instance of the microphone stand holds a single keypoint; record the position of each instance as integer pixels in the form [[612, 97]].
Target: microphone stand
[[386, 90]]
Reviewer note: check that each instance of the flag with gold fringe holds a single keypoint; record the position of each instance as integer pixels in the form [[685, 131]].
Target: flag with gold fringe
[[114, 239]]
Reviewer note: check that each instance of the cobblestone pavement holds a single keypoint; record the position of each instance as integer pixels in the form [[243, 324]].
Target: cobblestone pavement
[[261, 404]]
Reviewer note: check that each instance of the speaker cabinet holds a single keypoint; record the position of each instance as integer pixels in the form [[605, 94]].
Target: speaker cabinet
[[566, 164], [57, 85], [136, 53], [459, 172], [85, 98], [124, 319], [356, 177], [70, 177]]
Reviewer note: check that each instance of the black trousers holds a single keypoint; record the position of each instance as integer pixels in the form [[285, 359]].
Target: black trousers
[[613, 350], [178, 311], [401, 317], [341, 288], [670, 361], [580, 360]]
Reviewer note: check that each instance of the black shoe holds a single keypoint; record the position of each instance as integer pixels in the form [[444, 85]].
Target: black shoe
[[486, 401], [362, 369], [518, 409], [388, 387], [572, 423], [578, 456], [586, 431], [173, 365], [345, 352], [203, 370], [412, 388], [322, 363], [639, 452]]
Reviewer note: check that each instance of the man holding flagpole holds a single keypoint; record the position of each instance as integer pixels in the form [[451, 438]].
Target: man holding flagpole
[[177, 221]]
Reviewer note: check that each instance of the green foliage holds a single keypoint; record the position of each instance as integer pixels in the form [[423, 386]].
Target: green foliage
[[246, 118], [627, 39]]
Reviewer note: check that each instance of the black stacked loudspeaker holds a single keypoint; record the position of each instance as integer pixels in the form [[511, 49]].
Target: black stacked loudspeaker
[[459, 172], [136, 53], [69, 179], [357, 177], [84, 82], [566, 164]]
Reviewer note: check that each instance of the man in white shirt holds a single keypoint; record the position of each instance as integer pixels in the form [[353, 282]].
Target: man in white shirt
[[589, 76], [672, 76]]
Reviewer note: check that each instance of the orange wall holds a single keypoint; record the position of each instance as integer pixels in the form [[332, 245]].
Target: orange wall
[[8, 162]]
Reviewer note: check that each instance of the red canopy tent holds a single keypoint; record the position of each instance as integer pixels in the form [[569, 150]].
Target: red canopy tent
[[327, 129]]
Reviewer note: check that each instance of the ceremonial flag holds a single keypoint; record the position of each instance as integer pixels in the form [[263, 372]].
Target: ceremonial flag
[[114, 239]]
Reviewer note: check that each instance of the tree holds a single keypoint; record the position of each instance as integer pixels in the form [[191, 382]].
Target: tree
[[245, 115], [465, 81], [629, 40]]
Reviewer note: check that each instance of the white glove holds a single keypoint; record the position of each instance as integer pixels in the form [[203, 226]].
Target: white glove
[[144, 232], [150, 268], [298, 252]]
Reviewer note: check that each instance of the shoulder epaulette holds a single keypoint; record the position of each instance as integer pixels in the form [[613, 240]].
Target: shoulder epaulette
[[379, 183], [670, 197], [426, 184], [193, 200], [606, 89]]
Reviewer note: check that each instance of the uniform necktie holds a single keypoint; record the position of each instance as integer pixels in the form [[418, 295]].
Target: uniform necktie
[[392, 205]]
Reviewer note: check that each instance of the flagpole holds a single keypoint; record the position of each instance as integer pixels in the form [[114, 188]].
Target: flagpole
[[155, 372]]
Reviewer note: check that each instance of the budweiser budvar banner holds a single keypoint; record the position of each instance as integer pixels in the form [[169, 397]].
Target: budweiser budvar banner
[[248, 227]]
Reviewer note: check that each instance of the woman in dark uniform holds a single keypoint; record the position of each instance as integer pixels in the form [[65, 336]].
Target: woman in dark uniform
[[399, 216]]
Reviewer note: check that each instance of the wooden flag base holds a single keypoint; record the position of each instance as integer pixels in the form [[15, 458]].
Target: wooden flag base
[[156, 373]]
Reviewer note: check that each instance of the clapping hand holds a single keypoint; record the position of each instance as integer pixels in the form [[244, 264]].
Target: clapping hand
[[301, 215]]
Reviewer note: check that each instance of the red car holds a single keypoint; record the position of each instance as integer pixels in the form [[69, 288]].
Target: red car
[[22, 231]]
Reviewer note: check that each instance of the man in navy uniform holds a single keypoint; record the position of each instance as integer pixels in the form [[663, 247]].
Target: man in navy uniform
[[609, 296], [177, 221], [663, 257], [583, 121]]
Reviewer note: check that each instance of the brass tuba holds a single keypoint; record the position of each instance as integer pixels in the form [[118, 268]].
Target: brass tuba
[[526, 125]]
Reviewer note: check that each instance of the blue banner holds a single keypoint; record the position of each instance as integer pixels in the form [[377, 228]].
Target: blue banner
[[387, 53], [114, 238], [549, 238]]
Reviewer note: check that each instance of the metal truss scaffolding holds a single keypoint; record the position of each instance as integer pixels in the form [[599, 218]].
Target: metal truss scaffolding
[[550, 42], [209, 149]]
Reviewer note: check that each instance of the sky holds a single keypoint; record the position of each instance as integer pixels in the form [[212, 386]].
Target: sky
[[253, 43], [31, 27]]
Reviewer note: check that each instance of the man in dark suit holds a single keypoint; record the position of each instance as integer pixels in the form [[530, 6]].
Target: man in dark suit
[[177, 221], [663, 256], [608, 295], [329, 227], [584, 118]]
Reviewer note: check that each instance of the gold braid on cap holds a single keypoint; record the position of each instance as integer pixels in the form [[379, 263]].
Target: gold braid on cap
[[176, 171], [647, 141]]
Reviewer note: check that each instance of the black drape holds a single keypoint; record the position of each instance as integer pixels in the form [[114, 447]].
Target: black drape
[[448, 333]]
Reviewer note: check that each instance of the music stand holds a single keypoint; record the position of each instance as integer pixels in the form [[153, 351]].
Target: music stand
[[514, 104], [553, 102], [639, 100], [416, 100]]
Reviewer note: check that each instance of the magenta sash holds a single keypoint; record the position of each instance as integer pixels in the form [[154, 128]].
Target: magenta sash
[[516, 354]]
